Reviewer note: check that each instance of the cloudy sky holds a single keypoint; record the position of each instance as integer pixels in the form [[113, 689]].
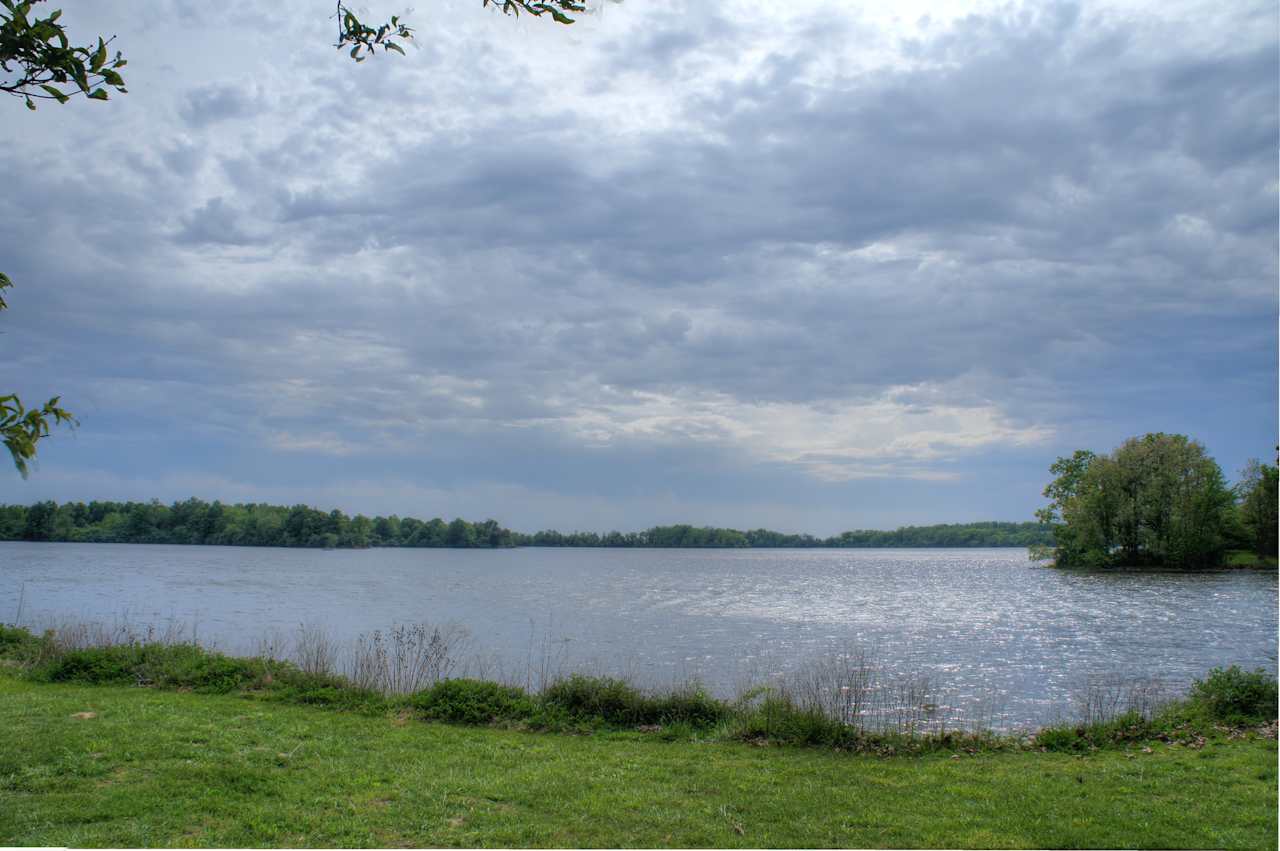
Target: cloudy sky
[[806, 265]]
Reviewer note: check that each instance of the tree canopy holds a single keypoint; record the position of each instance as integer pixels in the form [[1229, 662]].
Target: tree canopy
[[1257, 492], [1157, 500]]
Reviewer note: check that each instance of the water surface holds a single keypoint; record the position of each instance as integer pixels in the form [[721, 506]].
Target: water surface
[[991, 627]]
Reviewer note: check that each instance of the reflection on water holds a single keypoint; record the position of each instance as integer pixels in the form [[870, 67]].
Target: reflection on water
[[991, 627]]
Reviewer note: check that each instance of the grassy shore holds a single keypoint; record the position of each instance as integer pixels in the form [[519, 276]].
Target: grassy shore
[[221, 750], [127, 766]]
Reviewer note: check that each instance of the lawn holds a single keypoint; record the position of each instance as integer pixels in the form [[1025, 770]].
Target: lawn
[[115, 766]]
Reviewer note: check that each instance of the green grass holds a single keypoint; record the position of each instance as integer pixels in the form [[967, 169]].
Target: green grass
[[1248, 558], [155, 767]]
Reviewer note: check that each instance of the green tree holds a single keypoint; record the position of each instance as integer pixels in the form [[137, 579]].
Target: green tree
[[1157, 500], [386, 531], [460, 534], [22, 428], [40, 521], [359, 532], [1257, 492]]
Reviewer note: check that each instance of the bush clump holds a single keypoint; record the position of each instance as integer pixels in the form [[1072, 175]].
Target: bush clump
[[288, 684], [190, 666], [167, 665], [1065, 739], [21, 645], [607, 698], [12, 637], [688, 705], [117, 665], [1130, 726], [464, 701], [616, 701], [1235, 696], [778, 718]]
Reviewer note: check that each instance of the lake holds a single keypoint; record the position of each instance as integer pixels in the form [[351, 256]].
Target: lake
[[998, 636]]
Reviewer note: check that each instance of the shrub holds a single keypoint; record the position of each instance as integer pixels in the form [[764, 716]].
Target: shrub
[[1236, 696], [172, 666], [689, 705], [13, 636], [95, 665], [21, 645], [778, 718], [190, 666], [607, 698], [1132, 726], [291, 685], [1062, 739], [616, 701], [464, 701]]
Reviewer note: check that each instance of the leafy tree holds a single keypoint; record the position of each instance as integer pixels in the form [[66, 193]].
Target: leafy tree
[[365, 40], [40, 522], [359, 533], [1157, 500], [1257, 492], [46, 65], [461, 534], [21, 428], [386, 531]]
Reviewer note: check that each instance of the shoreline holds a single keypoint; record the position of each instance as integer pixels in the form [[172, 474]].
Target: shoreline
[[842, 703]]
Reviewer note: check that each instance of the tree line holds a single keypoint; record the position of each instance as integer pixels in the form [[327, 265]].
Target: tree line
[[1158, 500], [195, 521]]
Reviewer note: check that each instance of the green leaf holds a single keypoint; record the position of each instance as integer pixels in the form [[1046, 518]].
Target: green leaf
[[57, 94], [31, 104], [98, 94], [99, 56], [112, 78], [391, 45]]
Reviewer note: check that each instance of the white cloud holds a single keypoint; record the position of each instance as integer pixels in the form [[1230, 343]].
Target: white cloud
[[894, 435]]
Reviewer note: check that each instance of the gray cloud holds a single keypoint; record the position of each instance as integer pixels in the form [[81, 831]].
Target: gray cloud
[[216, 221], [1027, 230], [209, 104]]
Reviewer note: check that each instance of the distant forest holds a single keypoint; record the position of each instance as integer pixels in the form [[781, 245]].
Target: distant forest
[[195, 521]]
